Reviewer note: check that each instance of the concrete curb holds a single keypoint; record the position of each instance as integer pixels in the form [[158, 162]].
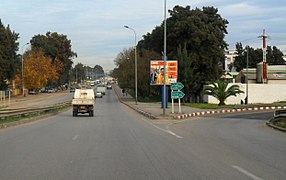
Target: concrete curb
[[202, 113], [140, 111], [132, 107], [270, 124]]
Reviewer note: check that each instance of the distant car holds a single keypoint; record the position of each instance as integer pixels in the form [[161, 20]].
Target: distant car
[[98, 95], [109, 86], [72, 90], [33, 91], [51, 90]]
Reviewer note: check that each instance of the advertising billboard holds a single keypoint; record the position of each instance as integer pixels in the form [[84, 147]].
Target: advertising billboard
[[157, 72]]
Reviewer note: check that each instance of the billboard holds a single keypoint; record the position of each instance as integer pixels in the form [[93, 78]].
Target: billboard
[[157, 72]]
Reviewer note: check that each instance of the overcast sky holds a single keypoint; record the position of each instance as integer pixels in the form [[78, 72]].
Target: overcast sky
[[96, 30]]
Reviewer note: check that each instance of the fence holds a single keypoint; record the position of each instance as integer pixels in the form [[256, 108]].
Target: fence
[[5, 97]]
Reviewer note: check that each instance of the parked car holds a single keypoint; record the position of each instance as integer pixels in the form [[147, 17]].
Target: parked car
[[98, 95], [33, 91], [51, 90]]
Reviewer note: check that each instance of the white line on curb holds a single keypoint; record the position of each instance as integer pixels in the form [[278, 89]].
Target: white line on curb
[[245, 172], [164, 130]]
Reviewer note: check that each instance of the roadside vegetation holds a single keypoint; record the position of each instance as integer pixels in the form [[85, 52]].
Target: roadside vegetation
[[280, 122], [195, 38], [220, 90]]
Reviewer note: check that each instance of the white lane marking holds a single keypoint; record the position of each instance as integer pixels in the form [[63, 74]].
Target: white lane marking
[[164, 130], [75, 137], [246, 173]]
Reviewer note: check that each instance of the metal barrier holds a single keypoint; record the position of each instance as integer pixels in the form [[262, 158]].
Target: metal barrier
[[279, 113], [4, 113]]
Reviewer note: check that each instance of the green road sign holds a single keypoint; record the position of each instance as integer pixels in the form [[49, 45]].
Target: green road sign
[[177, 94], [177, 86]]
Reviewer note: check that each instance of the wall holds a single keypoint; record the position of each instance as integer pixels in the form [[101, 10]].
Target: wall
[[257, 93]]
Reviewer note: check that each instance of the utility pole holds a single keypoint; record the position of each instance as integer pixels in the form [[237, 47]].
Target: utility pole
[[264, 67]]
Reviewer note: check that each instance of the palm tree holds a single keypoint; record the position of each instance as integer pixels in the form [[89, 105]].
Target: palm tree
[[219, 90]]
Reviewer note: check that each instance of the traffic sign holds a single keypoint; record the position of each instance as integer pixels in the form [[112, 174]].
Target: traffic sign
[[177, 94], [177, 86]]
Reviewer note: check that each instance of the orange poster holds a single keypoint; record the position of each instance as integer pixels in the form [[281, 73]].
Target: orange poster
[[157, 72]]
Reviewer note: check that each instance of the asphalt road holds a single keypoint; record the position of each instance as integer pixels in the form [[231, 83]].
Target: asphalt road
[[118, 143]]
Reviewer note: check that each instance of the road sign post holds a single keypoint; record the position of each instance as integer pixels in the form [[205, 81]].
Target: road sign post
[[162, 97], [177, 94]]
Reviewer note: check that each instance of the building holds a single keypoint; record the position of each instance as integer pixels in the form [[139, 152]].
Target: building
[[229, 59]]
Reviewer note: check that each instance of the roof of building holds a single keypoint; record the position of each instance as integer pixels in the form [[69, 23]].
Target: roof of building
[[274, 72]]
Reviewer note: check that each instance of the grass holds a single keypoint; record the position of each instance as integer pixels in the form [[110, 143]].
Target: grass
[[280, 122], [209, 106], [232, 106]]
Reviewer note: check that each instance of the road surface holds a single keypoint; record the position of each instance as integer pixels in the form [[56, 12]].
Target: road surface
[[118, 143]]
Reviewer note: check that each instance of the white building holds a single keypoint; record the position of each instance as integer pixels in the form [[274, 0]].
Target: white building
[[229, 59]]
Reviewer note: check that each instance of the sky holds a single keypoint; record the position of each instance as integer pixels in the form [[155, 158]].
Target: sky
[[96, 27]]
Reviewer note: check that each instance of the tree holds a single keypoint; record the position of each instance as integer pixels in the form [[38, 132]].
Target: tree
[[255, 56], [201, 33], [124, 73], [56, 46], [274, 56], [98, 70], [220, 90], [185, 72], [9, 60], [78, 73], [39, 69]]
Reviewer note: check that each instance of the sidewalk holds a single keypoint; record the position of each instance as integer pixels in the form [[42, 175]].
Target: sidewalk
[[154, 110]]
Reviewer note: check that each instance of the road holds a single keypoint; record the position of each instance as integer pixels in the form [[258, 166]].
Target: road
[[43, 99], [118, 143]]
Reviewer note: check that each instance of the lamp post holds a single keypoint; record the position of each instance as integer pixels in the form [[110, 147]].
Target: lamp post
[[135, 63], [246, 99], [165, 58], [22, 58]]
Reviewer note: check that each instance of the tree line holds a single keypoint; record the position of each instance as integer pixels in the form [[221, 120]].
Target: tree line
[[274, 56], [47, 61], [195, 38]]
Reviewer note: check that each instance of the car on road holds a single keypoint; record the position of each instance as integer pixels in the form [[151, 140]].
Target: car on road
[[109, 86], [98, 95], [72, 90]]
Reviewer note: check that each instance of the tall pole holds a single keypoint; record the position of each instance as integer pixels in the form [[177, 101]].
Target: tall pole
[[264, 67], [246, 99], [165, 49], [135, 52], [22, 58]]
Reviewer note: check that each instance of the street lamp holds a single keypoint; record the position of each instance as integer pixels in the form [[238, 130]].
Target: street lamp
[[165, 53], [246, 99], [135, 63], [22, 58]]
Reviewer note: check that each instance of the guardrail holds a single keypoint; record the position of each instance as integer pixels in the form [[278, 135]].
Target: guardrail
[[4, 113], [279, 113]]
